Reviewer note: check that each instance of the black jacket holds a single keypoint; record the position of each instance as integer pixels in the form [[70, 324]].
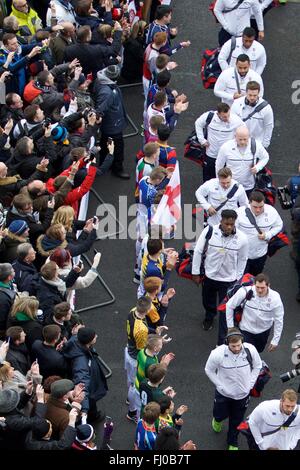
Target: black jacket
[[132, 69], [64, 442], [8, 247], [26, 277], [93, 57], [32, 328], [11, 185], [51, 362], [86, 368], [35, 228], [17, 424], [18, 357], [7, 297], [48, 296]]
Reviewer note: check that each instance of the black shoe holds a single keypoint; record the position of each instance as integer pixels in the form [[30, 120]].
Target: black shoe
[[298, 296], [99, 416], [207, 325], [121, 174]]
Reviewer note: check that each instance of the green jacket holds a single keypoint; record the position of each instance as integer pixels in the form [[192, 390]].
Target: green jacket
[[29, 20]]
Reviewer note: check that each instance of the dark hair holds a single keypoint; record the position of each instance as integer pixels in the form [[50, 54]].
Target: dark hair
[[51, 332], [164, 403], [42, 77], [243, 58], [249, 32], [223, 108], [262, 277], [154, 246], [160, 98], [228, 214], [167, 439], [163, 78], [83, 33], [163, 132], [61, 310], [161, 11], [156, 372], [252, 85], [82, 7], [256, 196], [143, 304], [14, 332], [30, 112], [8, 37], [9, 99]]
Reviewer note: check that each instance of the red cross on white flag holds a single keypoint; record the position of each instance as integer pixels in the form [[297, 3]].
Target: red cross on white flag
[[169, 209]]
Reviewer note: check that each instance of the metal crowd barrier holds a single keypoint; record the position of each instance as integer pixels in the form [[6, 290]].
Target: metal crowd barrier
[[133, 125]]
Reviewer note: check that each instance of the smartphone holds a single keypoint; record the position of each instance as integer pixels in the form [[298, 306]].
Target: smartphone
[[109, 140], [8, 338], [95, 219], [80, 264]]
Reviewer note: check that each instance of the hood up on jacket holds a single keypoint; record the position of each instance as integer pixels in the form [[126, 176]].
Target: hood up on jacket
[[103, 79], [46, 245]]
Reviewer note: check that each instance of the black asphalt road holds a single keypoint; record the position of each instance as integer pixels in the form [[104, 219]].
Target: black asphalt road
[[190, 343]]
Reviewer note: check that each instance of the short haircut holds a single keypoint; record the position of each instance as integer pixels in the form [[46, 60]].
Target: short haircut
[[224, 172], [223, 108], [23, 250], [151, 412], [76, 153], [262, 277], [155, 121], [163, 132], [249, 32], [164, 403], [159, 173], [153, 340], [143, 305], [51, 332], [243, 58], [82, 7], [30, 112], [161, 11], [61, 310], [83, 33], [10, 98], [14, 332], [289, 394], [156, 372], [160, 38], [235, 336], [252, 85], [48, 270], [162, 61], [8, 37], [42, 77], [167, 439], [160, 98], [154, 245], [228, 214], [163, 78], [256, 196], [152, 283], [5, 271], [150, 149]]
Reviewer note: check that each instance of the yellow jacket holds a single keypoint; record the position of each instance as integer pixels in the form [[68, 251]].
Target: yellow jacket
[[30, 19]]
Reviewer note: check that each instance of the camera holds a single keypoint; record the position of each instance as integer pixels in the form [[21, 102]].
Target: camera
[[284, 197], [47, 122], [290, 375]]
